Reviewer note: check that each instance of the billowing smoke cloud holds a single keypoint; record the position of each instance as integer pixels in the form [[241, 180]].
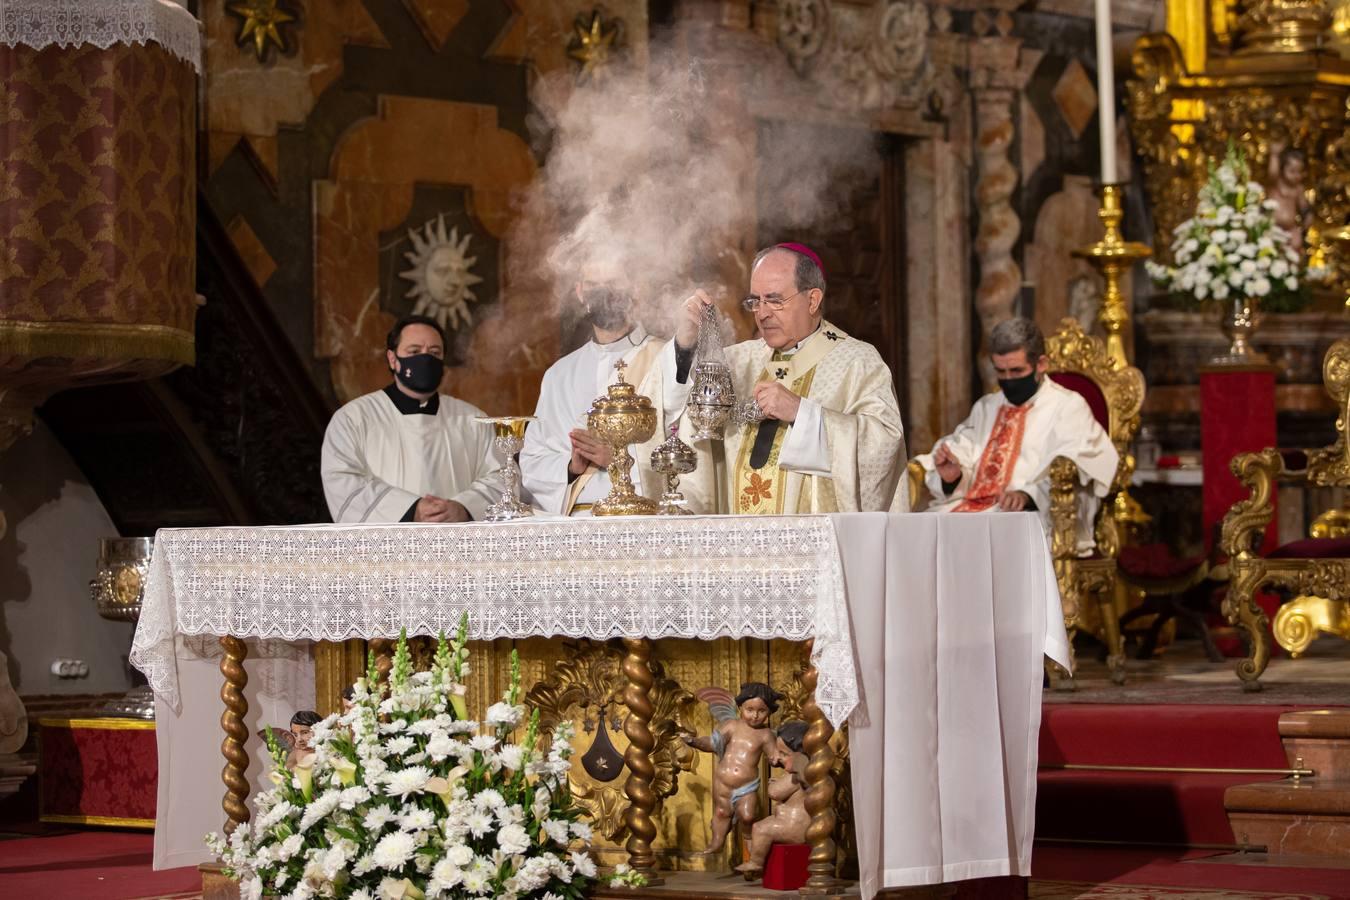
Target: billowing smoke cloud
[[663, 175]]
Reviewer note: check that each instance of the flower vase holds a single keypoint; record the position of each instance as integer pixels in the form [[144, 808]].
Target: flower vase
[[1238, 323]]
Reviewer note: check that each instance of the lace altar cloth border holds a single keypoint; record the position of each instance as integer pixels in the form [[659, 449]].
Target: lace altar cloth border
[[690, 577], [66, 23]]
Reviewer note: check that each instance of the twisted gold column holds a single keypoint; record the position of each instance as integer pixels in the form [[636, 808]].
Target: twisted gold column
[[637, 726], [820, 787], [236, 734]]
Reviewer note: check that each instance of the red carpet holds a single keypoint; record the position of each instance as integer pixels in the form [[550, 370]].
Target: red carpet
[[1149, 807], [89, 865], [1151, 866]]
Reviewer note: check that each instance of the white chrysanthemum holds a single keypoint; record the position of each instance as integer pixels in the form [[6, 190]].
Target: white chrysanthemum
[[361, 894], [459, 854], [479, 823], [417, 820], [440, 746], [394, 850], [557, 831], [364, 865], [377, 818], [320, 807], [511, 815], [476, 883], [512, 756], [1260, 287], [504, 715], [289, 847], [445, 875], [513, 840], [583, 865], [582, 830], [483, 743], [489, 798], [400, 745], [407, 781]]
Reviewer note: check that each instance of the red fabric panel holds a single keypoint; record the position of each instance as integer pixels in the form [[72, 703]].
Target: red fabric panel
[[1314, 548], [1081, 384], [1156, 561], [1143, 807], [1237, 415], [98, 772], [785, 869], [91, 865]]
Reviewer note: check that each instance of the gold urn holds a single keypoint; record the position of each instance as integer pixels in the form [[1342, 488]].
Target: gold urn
[[620, 418]]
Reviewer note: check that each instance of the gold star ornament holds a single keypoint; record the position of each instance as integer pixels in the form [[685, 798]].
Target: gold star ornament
[[592, 42], [260, 20]]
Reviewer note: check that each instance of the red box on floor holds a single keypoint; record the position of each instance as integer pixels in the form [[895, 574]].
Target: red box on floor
[[97, 772], [785, 869]]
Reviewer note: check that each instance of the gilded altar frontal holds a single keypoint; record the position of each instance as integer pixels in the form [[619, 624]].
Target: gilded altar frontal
[[706, 449]]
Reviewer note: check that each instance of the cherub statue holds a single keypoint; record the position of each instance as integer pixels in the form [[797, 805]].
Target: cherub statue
[[296, 739], [790, 819], [739, 743], [1288, 169]]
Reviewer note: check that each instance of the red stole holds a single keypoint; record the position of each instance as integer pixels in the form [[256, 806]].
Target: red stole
[[998, 459]]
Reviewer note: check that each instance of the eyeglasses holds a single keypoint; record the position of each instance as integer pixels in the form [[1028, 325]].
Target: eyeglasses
[[772, 301]]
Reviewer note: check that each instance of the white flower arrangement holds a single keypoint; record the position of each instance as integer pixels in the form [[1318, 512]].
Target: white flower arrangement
[[404, 798], [1232, 248]]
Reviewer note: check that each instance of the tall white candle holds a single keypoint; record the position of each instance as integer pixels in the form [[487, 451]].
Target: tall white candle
[[1106, 92]]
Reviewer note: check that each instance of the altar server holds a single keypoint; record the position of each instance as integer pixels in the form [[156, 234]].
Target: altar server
[[409, 453], [831, 438], [563, 464], [999, 457]]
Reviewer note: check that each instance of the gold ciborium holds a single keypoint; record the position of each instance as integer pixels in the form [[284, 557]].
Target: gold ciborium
[[672, 459], [508, 434], [620, 418]]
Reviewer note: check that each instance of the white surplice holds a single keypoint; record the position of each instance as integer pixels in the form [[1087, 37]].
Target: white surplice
[[378, 461], [569, 388], [1058, 423]]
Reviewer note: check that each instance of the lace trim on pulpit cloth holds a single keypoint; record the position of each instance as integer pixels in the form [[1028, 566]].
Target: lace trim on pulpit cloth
[[688, 577], [66, 23]]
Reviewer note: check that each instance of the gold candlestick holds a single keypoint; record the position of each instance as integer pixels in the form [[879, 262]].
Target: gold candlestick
[[1112, 256]]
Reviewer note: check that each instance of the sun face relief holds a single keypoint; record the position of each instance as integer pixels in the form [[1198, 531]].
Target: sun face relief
[[441, 274]]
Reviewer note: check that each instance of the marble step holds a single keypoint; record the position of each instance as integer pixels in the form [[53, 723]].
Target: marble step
[[1310, 817], [1320, 738]]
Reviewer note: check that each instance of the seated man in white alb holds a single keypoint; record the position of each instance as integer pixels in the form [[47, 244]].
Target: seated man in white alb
[[1000, 456], [563, 464], [409, 453]]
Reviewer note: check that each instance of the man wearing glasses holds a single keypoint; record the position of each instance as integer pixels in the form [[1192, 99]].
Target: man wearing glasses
[[824, 432]]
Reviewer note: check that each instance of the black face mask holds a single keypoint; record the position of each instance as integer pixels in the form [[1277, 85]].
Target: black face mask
[[607, 308], [421, 373], [1019, 390]]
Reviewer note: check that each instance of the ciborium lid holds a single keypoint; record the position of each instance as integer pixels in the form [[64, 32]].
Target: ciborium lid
[[621, 397]]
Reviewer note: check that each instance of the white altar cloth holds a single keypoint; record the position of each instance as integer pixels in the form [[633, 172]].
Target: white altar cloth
[[950, 616]]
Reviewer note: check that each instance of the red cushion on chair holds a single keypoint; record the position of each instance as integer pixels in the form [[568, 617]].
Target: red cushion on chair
[[1156, 561], [1314, 548], [1087, 388]]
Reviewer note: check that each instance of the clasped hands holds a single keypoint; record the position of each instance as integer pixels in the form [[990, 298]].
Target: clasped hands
[[437, 509], [949, 470], [588, 450]]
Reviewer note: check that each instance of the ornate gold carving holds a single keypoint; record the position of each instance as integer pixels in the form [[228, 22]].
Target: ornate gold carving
[[1298, 622], [641, 742], [235, 801], [1282, 26], [1113, 256], [1334, 523], [1330, 466], [261, 20], [1247, 520], [590, 682], [820, 788], [593, 43]]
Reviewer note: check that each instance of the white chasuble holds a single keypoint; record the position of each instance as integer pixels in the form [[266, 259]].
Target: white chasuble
[[378, 460], [569, 387], [1003, 447], [844, 453]]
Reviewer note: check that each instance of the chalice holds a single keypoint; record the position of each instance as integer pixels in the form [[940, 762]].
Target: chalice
[[672, 459], [508, 435], [118, 587], [622, 417]]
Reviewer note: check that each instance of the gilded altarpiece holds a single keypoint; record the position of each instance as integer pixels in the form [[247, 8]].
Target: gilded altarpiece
[[1264, 77]]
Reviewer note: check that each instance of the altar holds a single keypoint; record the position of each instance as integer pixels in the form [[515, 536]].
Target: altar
[[925, 634]]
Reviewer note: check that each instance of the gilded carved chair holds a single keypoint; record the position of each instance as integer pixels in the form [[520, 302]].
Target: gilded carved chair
[[1115, 395], [1316, 570]]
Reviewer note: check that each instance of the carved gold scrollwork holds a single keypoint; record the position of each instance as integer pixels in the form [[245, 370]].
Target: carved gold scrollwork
[[1298, 622], [1247, 520], [1282, 26], [589, 683]]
